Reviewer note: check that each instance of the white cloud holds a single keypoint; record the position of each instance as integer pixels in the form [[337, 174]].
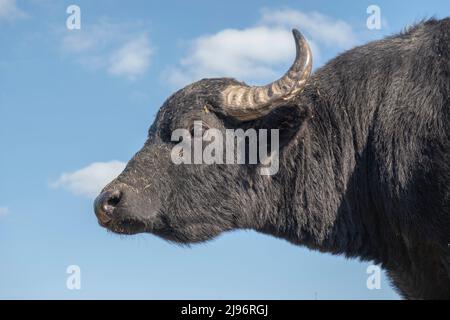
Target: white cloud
[[92, 38], [4, 211], [236, 53], [322, 29], [256, 53], [9, 10], [132, 59], [90, 180], [118, 49]]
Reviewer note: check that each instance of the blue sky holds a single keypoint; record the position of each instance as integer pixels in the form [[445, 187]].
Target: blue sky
[[75, 105]]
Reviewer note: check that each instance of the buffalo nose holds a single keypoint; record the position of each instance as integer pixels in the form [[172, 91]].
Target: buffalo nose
[[105, 204]]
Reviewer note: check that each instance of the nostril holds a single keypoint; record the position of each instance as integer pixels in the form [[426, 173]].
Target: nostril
[[111, 201], [105, 205], [114, 199]]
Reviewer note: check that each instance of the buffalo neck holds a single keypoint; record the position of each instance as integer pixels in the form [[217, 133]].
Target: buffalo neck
[[326, 202]]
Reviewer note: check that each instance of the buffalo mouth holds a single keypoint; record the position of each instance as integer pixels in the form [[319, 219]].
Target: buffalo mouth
[[127, 226]]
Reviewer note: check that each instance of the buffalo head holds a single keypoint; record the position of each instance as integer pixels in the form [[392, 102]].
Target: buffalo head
[[188, 203]]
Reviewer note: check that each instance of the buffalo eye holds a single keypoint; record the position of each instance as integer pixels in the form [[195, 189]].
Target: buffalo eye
[[198, 129]]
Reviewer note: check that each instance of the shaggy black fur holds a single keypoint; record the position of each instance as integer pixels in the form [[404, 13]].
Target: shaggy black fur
[[364, 164]]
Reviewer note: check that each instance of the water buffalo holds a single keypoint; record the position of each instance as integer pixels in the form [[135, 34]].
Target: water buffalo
[[364, 154]]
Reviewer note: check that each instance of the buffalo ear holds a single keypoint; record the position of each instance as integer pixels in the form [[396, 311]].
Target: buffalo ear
[[290, 120]]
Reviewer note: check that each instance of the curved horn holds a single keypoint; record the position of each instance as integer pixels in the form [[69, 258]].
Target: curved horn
[[247, 103]]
